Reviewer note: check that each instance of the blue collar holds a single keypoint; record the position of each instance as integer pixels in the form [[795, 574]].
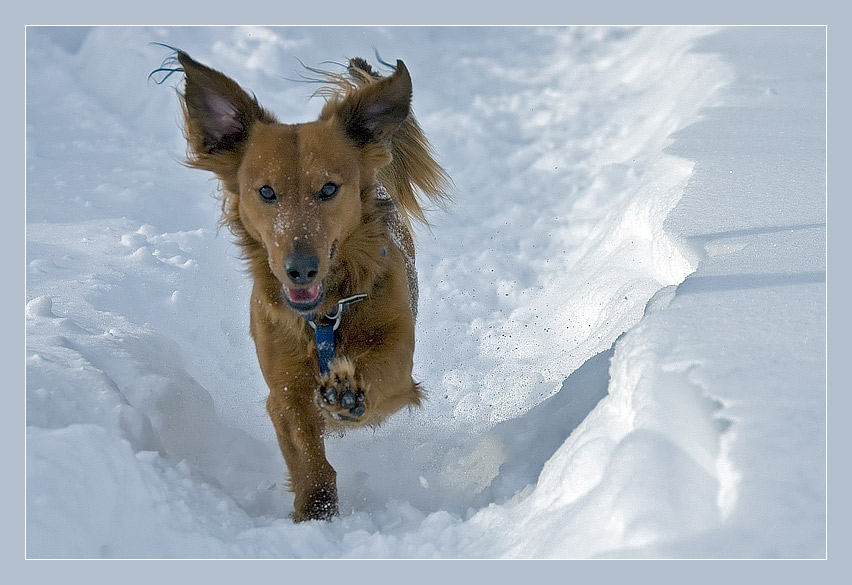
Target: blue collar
[[324, 331]]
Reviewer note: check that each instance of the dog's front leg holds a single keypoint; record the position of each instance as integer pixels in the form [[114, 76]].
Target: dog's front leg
[[367, 390], [299, 427]]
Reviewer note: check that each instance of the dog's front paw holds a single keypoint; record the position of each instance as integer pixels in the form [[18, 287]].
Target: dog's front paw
[[339, 394], [319, 504]]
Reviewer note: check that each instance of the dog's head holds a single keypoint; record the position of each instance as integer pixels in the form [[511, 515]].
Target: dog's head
[[294, 191]]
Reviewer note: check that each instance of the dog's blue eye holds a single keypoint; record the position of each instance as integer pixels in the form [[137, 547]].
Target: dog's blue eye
[[267, 193], [328, 191]]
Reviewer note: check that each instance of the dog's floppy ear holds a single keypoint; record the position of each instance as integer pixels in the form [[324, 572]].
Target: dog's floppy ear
[[218, 113], [372, 113]]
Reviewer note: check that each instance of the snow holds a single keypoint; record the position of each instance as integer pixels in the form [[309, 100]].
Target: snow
[[622, 323]]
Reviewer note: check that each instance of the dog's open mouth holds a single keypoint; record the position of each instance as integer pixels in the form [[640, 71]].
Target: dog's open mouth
[[304, 300]]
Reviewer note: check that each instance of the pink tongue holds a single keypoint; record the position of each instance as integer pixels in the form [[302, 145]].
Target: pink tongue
[[303, 295]]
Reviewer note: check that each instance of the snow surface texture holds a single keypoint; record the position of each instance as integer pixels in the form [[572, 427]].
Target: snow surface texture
[[622, 323]]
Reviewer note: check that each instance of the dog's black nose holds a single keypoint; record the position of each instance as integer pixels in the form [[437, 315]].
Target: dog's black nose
[[302, 267]]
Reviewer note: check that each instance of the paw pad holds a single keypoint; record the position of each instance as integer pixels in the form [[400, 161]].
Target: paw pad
[[340, 396]]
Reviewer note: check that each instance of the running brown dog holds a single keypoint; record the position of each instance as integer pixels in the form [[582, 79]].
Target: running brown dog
[[321, 211]]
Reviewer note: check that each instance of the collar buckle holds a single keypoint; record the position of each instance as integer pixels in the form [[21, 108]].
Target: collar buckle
[[337, 315], [324, 332]]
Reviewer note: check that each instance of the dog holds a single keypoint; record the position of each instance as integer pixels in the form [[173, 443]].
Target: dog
[[322, 212]]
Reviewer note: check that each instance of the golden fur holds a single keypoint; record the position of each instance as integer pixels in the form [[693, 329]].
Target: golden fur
[[301, 200]]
